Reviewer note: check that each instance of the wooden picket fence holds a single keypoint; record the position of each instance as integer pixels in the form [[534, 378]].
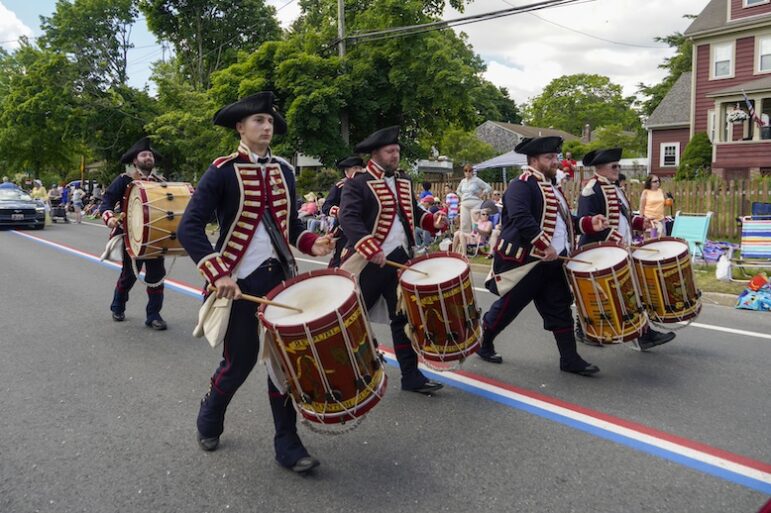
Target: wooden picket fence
[[726, 199]]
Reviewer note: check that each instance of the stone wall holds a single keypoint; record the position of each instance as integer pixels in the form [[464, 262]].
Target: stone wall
[[499, 138]]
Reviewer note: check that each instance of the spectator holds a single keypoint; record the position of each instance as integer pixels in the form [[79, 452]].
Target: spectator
[[65, 202], [471, 191], [622, 181], [452, 203], [569, 166], [309, 208], [97, 194], [652, 205], [426, 190], [77, 202]]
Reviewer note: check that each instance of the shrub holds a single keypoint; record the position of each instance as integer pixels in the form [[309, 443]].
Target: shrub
[[696, 160]]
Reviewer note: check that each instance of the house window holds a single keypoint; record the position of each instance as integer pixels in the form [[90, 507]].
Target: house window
[[670, 154], [764, 53], [722, 60], [753, 3]]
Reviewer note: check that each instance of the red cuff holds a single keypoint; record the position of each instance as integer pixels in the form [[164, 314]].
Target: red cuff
[[213, 268], [305, 242], [541, 242], [333, 211], [638, 223], [108, 214], [427, 222], [368, 247], [586, 225]]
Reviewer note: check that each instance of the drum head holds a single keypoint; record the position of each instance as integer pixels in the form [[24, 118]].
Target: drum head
[[601, 258], [135, 220], [316, 296], [665, 249], [439, 269]]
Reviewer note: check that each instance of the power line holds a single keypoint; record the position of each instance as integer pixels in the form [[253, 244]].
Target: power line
[[285, 5]]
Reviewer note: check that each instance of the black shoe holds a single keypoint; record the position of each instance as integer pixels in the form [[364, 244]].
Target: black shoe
[[156, 324], [305, 465], [118, 316], [426, 388], [653, 338], [580, 367], [208, 444], [488, 354]]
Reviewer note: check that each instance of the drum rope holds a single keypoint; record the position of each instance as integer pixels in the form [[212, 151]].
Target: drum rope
[[352, 357], [288, 364]]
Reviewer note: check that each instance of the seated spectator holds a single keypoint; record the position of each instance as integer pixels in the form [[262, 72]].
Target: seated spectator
[[426, 191], [309, 208]]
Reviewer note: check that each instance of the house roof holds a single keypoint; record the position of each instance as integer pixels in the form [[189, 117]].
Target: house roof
[[534, 131], [752, 86], [675, 108], [714, 18]]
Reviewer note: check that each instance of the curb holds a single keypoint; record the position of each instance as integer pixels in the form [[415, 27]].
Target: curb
[[713, 298]]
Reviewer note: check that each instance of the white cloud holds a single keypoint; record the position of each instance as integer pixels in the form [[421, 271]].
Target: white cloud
[[11, 28]]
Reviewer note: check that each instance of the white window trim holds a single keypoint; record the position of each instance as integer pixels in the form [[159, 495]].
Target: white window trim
[[662, 146], [712, 132], [712, 45], [758, 37], [746, 6]]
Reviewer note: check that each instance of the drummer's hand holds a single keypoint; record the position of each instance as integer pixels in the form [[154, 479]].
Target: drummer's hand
[[550, 254], [647, 224], [599, 223], [323, 246], [227, 287], [440, 221], [378, 259], [112, 222]]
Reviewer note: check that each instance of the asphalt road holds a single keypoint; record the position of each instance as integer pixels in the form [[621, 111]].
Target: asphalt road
[[99, 416]]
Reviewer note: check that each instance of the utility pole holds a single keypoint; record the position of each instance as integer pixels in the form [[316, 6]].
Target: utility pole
[[344, 127]]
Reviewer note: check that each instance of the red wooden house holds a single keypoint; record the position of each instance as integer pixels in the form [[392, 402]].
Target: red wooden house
[[731, 59]]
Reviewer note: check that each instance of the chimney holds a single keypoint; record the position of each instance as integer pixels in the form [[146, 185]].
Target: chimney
[[587, 135]]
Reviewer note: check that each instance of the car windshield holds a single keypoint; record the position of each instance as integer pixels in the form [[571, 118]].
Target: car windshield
[[14, 195]]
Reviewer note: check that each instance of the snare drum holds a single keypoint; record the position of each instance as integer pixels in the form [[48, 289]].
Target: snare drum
[[153, 212], [441, 310], [665, 274], [327, 353], [606, 293]]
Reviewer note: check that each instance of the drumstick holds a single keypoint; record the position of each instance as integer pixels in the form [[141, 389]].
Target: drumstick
[[568, 259], [260, 300], [404, 267], [645, 249]]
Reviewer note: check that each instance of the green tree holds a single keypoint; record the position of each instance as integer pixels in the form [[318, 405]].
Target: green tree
[[614, 136], [572, 101], [696, 160], [463, 148], [675, 66], [95, 34], [208, 34], [495, 104]]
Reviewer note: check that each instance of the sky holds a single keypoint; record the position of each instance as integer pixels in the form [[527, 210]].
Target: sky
[[523, 52]]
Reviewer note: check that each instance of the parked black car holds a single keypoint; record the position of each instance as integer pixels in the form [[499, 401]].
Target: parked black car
[[17, 208]]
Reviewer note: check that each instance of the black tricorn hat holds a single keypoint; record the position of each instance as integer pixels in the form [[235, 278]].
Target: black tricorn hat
[[383, 137], [352, 161], [597, 157], [258, 103], [141, 145], [539, 145]]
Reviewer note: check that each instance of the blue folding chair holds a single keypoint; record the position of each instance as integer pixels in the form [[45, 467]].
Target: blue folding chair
[[755, 249], [693, 228]]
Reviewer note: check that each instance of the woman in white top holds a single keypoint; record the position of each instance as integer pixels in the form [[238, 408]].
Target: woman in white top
[[471, 191]]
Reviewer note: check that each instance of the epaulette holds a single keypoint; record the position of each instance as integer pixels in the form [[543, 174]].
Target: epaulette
[[221, 161], [340, 183], [588, 190], [282, 160], [524, 176]]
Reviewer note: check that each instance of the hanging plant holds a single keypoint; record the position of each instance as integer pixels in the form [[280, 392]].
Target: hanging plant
[[737, 116]]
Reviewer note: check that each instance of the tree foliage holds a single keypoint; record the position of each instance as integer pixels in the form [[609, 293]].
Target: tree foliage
[[463, 147], [696, 160], [675, 66], [208, 34], [572, 101], [95, 34]]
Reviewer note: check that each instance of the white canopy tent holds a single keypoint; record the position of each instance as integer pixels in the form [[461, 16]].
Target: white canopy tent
[[507, 160]]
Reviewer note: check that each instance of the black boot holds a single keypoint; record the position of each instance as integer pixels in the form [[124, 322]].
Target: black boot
[[290, 452], [211, 419], [118, 306], [570, 361], [653, 338], [486, 349]]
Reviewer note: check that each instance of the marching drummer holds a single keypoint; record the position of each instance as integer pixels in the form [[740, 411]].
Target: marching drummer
[[252, 193], [379, 213], [602, 195], [537, 229], [142, 159], [350, 166]]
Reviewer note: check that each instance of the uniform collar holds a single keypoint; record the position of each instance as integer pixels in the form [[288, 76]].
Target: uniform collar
[[602, 179], [245, 152], [540, 176], [375, 170]]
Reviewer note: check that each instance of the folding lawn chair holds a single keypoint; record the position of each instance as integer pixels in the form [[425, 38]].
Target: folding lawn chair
[[692, 228], [755, 248]]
